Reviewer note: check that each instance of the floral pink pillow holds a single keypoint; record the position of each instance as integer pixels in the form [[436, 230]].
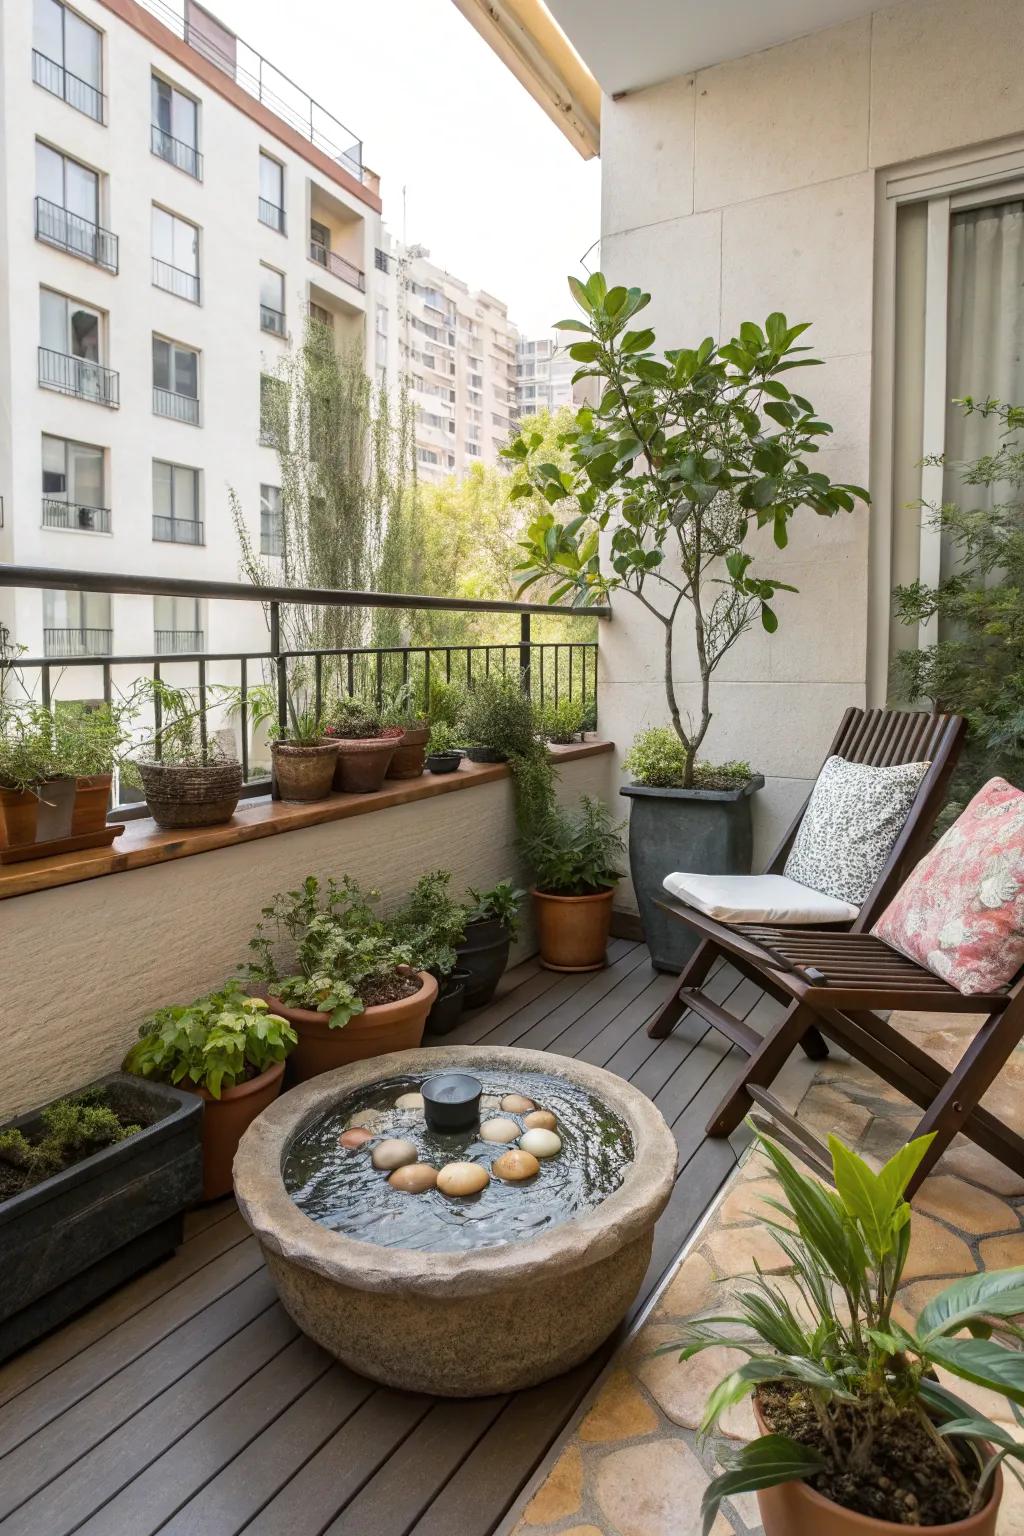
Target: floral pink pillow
[[961, 912]]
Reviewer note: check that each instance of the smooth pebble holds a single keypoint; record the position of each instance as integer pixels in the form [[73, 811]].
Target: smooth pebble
[[499, 1129], [352, 1139], [409, 1101], [413, 1178], [517, 1104], [393, 1153], [541, 1143], [462, 1179], [514, 1166], [368, 1119], [540, 1120]]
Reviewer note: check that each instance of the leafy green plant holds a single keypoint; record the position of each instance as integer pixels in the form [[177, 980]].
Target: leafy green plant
[[498, 715], [305, 726], [69, 738], [502, 904], [683, 455], [839, 1365], [399, 707], [447, 702], [431, 923], [443, 738], [561, 722], [337, 949], [214, 1043], [575, 853], [352, 718], [71, 1129], [177, 735], [657, 759]]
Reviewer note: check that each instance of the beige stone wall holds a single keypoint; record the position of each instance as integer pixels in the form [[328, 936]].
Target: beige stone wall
[[82, 966], [750, 187]]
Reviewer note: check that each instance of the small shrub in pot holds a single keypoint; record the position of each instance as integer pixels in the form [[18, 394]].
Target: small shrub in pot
[[432, 923], [562, 722], [443, 752], [410, 728], [365, 751], [492, 921], [574, 858], [56, 768]]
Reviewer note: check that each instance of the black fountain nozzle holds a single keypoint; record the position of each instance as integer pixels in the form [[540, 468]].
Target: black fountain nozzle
[[451, 1101]]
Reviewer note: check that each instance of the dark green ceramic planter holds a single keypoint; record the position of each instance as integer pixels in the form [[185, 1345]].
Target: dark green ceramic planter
[[699, 831]]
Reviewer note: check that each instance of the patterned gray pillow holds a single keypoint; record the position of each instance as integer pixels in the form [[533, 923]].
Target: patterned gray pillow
[[854, 815]]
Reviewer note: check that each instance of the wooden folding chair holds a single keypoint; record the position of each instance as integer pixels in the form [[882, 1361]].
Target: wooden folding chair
[[839, 983], [881, 738]]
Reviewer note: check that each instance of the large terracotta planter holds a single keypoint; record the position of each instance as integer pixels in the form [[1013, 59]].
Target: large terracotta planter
[[410, 753], [795, 1509], [362, 763], [374, 1032], [572, 931], [304, 773], [225, 1121]]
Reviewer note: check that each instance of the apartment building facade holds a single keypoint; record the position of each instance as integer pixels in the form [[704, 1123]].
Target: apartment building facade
[[544, 373], [171, 209]]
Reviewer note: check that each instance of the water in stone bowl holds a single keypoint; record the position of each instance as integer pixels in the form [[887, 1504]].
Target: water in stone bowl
[[340, 1187]]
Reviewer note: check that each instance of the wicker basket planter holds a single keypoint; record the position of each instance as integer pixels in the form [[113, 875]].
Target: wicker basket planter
[[191, 794], [304, 773]]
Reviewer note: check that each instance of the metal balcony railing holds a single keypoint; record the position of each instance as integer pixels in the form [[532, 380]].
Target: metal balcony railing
[[78, 376], [175, 642], [53, 77], [177, 530], [69, 232], [75, 515], [185, 285], [176, 152], [271, 215], [167, 402], [331, 262], [67, 643], [272, 320]]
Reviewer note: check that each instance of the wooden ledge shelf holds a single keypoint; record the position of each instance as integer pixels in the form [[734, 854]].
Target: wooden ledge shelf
[[144, 843]]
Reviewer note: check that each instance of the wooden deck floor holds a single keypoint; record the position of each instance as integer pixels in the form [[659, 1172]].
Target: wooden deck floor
[[188, 1403]]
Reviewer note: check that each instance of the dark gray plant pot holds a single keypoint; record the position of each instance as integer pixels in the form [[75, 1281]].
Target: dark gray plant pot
[[701, 831], [484, 954], [75, 1236]]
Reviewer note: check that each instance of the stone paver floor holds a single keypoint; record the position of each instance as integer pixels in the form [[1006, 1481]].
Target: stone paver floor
[[630, 1464]]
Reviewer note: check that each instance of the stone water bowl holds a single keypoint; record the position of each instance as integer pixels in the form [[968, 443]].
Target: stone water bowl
[[484, 1319]]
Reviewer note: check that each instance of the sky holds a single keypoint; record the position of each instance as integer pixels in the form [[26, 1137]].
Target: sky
[[493, 190]]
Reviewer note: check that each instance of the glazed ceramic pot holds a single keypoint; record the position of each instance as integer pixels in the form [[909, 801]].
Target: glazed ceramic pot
[[572, 931], [410, 753], [225, 1120], [362, 763], [304, 773], [374, 1032]]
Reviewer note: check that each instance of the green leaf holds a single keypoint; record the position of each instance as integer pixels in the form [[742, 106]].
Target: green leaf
[[998, 1292], [580, 294], [865, 1197], [769, 619], [981, 1361], [572, 325], [764, 1463]]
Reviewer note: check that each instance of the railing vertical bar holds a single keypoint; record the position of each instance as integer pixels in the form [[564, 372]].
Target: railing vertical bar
[[108, 691], [318, 683], [469, 667], [558, 661], [243, 715], [281, 667], [405, 667], [572, 649], [351, 673], [380, 678], [158, 716], [487, 662], [504, 662], [543, 658], [583, 683], [426, 680], [203, 728], [44, 683], [525, 650], [447, 666]]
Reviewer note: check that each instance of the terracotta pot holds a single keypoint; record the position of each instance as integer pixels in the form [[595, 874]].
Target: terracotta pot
[[362, 763], [18, 809], [795, 1509], [572, 931], [304, 773], [226, 1119], [374, 1032], [38, 815], [410, 754], [92, 796]]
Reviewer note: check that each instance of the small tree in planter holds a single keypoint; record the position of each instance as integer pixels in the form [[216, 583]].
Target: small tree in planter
[[681, 458]]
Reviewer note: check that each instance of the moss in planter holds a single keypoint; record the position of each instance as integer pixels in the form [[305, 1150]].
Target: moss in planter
[[657, 760], [69, 1130]]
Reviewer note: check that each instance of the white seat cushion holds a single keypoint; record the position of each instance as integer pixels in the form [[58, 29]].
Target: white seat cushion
[[758, 899]]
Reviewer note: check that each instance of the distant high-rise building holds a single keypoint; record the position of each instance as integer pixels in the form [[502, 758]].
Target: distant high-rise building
[[544, 373]]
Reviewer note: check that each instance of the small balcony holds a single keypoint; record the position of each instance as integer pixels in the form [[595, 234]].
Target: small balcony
[[272, 320], [184, 285], [177, 530], [53, 77], [77, 642], [177, 642], [75, 516], [177, 153], [337, 265], [78, 376], [167, 402], [271, 215], [69, 232]]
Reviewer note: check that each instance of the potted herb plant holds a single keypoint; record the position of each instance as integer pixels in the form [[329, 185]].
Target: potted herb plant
[[561, 722], [410, 729], [188, 781], [229, 1049], [93, 1188], [365, 750], [56, 768], [857, 1434], [720, 835], [443, 752], [433, 924], [497, 720], [332, 967], [685, 454], [492, 922], [574, 858]]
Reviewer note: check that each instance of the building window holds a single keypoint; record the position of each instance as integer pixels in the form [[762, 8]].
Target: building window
[[473, 449], [69, 350], [175, 381], [175, 255], [67, 57], [76, 624], [273, 409], [271, 521], [176, 504], [321, 315], [73, 486], [177, 625], [427, 456], [271, 200], [174, 131], [67, 208], [272, 301], [380, 260]]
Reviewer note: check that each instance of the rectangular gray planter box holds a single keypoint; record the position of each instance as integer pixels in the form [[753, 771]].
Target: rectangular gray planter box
[[74, 1236], [695, 831]]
